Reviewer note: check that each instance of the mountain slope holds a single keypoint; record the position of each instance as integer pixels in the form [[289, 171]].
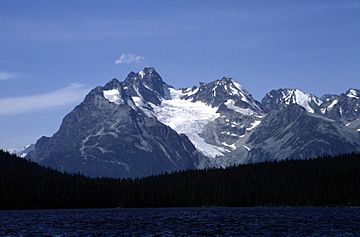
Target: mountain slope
[[345, 107], [107, 135], [294, 133], [213, 115], [23, 152]]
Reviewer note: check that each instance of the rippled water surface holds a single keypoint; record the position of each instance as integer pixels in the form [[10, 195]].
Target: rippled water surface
[[183, 222]]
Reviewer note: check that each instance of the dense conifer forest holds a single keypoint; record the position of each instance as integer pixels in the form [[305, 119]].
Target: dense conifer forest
[[325, 181]]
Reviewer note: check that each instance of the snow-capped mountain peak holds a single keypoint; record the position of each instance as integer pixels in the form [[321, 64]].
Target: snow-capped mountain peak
[[213, 115], [217, 92], [147, 85], [280, 98], [353, 93], [192, 110], [345, 107], [232, 88], [141, 74]]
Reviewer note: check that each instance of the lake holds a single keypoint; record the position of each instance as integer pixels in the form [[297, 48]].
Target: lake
[[183, 222]]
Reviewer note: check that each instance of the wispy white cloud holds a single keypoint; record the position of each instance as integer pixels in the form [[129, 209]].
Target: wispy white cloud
[[70, 94], [4, 75], [129, 58]]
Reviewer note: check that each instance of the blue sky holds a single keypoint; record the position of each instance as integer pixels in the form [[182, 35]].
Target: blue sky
[[54, 52]]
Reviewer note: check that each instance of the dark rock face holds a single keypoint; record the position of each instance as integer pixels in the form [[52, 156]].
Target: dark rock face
[[293, 133], [345, 107], [102, 138]]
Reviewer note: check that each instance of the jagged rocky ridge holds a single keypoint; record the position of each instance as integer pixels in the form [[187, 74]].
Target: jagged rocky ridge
[[107, 135], [136, 127]]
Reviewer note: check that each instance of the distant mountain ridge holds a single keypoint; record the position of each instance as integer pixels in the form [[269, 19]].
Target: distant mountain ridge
[[143, 126], [277, 99]]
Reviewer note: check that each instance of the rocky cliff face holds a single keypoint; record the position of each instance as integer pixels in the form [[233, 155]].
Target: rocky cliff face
[[344, 107]]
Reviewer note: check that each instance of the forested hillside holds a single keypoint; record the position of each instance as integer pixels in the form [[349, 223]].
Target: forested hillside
[[325, 181]]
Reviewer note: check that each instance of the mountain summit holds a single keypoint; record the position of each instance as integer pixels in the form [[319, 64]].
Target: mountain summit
[[147, 85], [277, 99]]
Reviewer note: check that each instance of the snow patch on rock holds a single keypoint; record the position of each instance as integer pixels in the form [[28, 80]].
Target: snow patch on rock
[[231, 105], [113, 96]]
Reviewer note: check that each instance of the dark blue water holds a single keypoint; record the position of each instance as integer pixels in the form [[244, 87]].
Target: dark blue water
[[183, 222]]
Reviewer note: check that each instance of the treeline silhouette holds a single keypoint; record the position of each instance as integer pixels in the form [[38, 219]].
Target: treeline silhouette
[[325, 181]]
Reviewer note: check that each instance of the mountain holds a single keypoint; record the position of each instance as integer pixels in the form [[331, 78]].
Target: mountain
[[278, 99], [213, 115], [146, 86], [108, 135], [294, 133], [143, 126], [238, 113], [23, 152], [344, 107], [217, 92]]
